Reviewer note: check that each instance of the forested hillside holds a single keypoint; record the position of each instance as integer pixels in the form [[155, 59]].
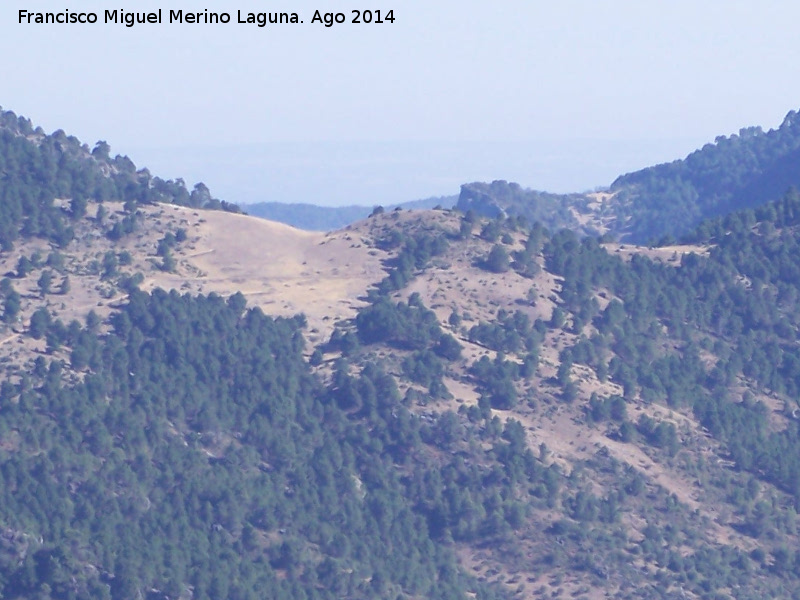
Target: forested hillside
[[496, 408], [683, 363], [199, 454], [735, 172], [37, 168]]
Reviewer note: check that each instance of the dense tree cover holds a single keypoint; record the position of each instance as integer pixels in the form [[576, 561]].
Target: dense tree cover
[[525, 260], [509, 333], [741, 300], [404, 325], [416, 251], [199, 453], [735, 172], [496, 379], [497, 260], [38, 168]]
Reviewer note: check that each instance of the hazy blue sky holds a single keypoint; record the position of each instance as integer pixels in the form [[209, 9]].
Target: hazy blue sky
[[559, 96]]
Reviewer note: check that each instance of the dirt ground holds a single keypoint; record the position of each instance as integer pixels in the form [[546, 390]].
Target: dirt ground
[[283, 270]]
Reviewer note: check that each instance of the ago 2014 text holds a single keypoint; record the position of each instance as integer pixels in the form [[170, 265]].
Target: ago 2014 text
[[356, 16]]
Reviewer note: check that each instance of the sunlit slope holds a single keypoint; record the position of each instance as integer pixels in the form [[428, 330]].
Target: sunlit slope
[[283, 270]]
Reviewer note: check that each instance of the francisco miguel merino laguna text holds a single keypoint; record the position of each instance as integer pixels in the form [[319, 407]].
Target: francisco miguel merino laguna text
[[129, 19], [261, 19]]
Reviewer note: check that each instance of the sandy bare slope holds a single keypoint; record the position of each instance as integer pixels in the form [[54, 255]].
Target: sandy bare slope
[[283, 270]]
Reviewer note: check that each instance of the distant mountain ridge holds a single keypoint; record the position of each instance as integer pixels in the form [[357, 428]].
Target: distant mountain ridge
[[501, 198], [744, 170]]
